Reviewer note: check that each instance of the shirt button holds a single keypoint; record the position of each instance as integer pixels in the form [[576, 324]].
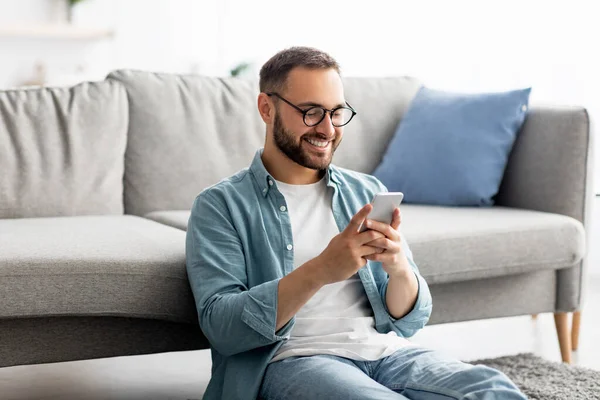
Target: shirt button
[[524, 108], [289, 247], [270, 182], [282, 208], [265, 190]]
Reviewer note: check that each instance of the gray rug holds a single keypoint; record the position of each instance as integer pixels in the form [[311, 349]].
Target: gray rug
[[547, 380]]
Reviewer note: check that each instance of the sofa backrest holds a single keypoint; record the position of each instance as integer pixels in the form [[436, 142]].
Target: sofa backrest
[[187, 132], [61, 150]]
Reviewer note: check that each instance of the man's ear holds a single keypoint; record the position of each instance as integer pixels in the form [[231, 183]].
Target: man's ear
[[266, 108]]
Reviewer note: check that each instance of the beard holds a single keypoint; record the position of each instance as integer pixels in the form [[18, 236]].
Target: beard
[[295, 150]]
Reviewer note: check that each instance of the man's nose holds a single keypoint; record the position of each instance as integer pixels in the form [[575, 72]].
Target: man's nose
[[326, 126]]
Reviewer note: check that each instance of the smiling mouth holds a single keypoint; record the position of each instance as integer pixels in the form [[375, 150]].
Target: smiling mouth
[[318, 143]]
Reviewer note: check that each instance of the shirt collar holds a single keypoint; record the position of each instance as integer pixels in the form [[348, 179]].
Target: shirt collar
[[266, 181]]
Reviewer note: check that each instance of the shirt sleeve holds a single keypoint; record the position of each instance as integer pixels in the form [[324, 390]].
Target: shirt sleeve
[[233, 317], [418, 317]]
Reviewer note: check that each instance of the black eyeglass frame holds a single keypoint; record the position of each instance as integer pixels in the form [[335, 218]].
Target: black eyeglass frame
[[325, 111]]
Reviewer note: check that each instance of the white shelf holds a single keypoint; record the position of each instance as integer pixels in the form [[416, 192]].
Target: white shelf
[[53, 31]]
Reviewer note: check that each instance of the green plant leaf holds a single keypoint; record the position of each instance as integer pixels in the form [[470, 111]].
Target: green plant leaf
[[238, 69]]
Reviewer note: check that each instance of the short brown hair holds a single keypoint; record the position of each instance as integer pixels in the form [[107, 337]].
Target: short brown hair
[[274, 73]]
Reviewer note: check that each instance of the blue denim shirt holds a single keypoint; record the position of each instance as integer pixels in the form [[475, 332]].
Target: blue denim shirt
[[239, 245]]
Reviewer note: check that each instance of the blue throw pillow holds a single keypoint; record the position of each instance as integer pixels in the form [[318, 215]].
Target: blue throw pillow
[[452, 149]]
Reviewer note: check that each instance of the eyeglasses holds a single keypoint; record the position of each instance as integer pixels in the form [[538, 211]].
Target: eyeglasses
[[313, 116]]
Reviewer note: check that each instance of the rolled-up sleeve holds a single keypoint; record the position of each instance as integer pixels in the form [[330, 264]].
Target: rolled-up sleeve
[[233, 317], [418, 317]]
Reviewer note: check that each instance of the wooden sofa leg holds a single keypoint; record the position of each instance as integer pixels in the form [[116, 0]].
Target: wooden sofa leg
[[561, 320], [575, 330], [534, 316]]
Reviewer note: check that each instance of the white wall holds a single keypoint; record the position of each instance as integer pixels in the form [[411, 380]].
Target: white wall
[[170, 36], [462, 45], [456, 45], [19, 55]]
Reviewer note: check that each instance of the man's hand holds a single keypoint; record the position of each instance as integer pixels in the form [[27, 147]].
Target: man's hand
[[391, 256], [403, 287], [348, 251]]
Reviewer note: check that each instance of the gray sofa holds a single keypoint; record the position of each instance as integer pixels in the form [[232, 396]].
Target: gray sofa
[[97, 181]]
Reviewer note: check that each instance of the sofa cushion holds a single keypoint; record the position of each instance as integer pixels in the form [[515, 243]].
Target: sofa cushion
[[453, 244], [62, 149], [176, 219], [187, 132], [122, 266]]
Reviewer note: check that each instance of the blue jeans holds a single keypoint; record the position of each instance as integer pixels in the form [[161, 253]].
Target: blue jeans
[[410, 373]]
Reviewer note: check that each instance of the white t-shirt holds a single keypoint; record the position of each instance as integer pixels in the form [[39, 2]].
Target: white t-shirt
[[338, 319]]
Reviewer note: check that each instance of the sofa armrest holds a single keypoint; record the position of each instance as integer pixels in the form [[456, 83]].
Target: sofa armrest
[[550, 169]]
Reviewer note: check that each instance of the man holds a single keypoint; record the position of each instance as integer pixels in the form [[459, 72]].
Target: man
[[295, 303]]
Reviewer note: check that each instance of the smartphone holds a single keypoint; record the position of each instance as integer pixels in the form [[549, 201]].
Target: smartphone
[[384, 204]]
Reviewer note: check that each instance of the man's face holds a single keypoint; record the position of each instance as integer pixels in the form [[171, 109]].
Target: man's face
[[306, 88]]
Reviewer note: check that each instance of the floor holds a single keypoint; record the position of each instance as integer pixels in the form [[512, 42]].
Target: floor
[[182, 376]]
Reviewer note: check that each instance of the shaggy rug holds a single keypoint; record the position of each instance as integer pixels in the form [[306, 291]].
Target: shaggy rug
[[547, 380]]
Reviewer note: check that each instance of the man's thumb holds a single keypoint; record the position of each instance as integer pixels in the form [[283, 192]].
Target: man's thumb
[[359, 218]]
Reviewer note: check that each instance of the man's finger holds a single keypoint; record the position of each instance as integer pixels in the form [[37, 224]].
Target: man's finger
[[396, 218], [368, 236], [358, 218], [384, 244], [366, 251], [383, 228]]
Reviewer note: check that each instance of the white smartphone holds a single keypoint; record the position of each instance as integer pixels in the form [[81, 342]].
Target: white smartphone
[[384, 204]]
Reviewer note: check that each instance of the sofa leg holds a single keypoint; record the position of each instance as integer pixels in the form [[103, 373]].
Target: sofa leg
[[534, 316], [575, 330], [561, 320]]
